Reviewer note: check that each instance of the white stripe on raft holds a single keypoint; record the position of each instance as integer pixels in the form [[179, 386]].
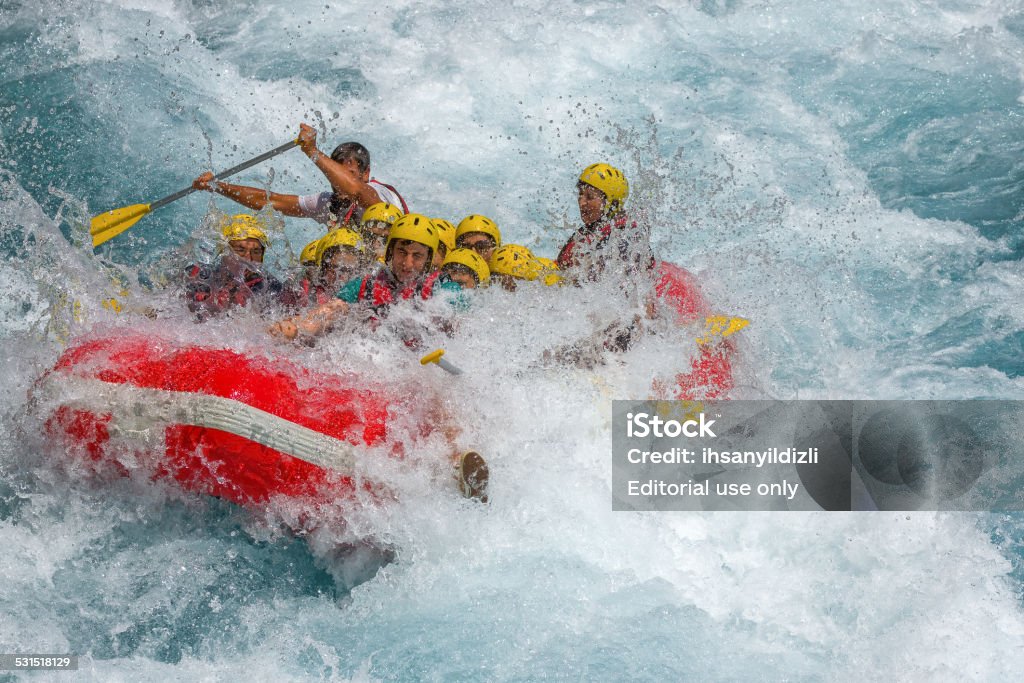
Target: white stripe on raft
[[136, 409]]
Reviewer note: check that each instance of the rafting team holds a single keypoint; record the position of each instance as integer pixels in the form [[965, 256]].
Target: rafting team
[[377, 253]]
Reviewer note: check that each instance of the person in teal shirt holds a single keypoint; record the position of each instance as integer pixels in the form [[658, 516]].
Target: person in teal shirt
[[406, 274]]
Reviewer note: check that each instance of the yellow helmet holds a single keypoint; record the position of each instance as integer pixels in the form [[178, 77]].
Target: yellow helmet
[[341, 237], [546, 263], [308, 255], [611, 181], [478, 223], [445, 232], [548, 270], [515, 260], [244, 226], [414, 227], [381, 211], [470, 259]]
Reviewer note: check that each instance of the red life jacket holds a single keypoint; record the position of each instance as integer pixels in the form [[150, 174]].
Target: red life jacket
[[203, 289], [379, 290], [596, 237], [310, 294], [586, 235]]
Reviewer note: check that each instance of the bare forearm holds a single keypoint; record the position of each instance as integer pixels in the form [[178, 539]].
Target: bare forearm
[[313, 323], [256, 198]]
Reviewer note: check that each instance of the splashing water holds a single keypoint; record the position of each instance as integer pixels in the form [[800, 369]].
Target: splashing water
[[845, 177]]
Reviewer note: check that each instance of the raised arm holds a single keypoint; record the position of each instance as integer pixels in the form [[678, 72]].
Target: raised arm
[[345, 178]]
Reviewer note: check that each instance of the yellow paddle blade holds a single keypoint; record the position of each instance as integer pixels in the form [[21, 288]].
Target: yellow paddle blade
[[720, 327], [432, 357], [110, 224]]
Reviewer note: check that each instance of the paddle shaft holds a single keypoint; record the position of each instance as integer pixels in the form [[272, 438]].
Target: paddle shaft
[[224, 174], [448, 367], [436, 357]]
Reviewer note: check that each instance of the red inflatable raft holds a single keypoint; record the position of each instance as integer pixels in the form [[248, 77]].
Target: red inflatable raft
[[248, 428], [227, 424]]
